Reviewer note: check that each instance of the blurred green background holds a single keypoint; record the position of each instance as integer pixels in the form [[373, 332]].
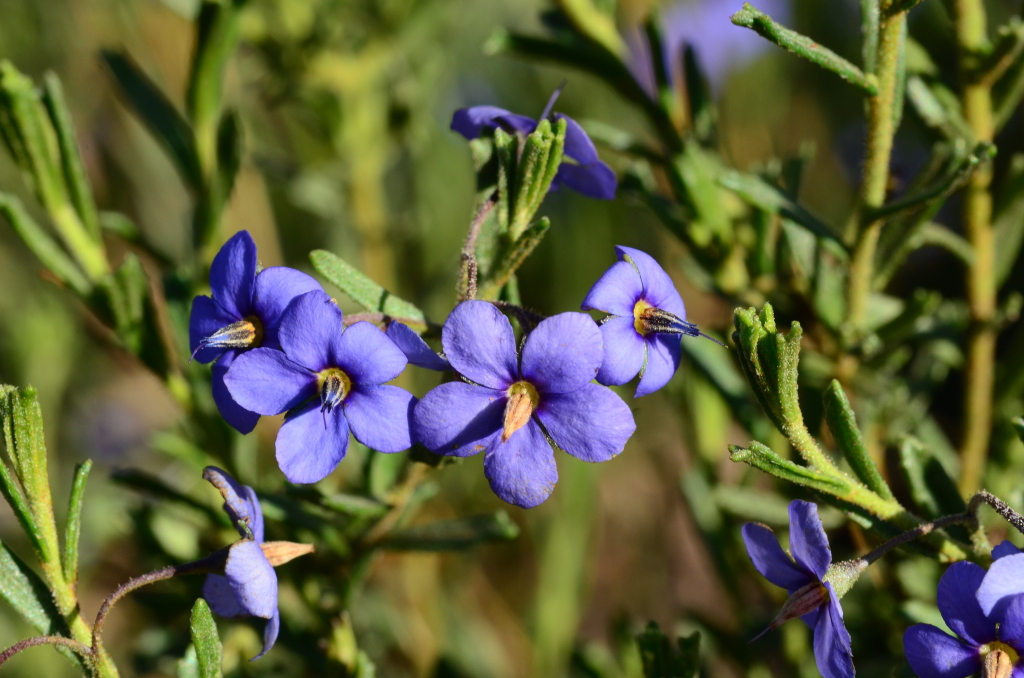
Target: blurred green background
[[346, 105]]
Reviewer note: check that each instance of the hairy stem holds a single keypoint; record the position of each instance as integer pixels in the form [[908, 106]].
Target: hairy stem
[[999, 506], [919, 531], [80, 649], [881, 128], [976, 98]]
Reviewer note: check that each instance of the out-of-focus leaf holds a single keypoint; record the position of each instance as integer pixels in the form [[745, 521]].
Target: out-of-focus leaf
[[158, 113], [365, 291], [930, 486], [206, 641], [760, 193], [71, 160], [801, 45], [355, 505], [870, 18], [230, 148], [1008, 221], [42, 245], [594, 24], [188, 665], [664, 659], [453, 535], [140, 481], [74, 522], [703, 114], [937, 110], [843, 425]]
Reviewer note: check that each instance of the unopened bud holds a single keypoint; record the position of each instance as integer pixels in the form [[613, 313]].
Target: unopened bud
[[280, 552]]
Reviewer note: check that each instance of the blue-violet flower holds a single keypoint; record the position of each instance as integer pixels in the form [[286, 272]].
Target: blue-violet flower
[[329, 379], [244, 313], [588, 175], [249, 583], [985, 611], [642, 334], [803, 576], [510, 404]]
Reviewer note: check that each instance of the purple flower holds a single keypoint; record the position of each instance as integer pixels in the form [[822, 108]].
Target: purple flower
[[244, 313], [249, 583], [641, 336], [984, 610], [329, 379], [803, 576], [512, 403], [415, 349], [587, 175]]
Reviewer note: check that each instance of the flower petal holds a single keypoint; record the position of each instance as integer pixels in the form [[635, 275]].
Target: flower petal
[[521, 470], [1003, 549], [933, 653], [239, 418], [379, 417], [275, 288], [596, 181], [807, 540], [206, 318], [578, 145], [770, 560], [958, 603], [367, 356], [832, 651], [1004, 580], [308, 328], [311, 443], [624, 351], [480, 344], [240, 501], [233, 275], [470, 122], [659, 290], [458, 419], [270, 632], [1011, 628], [252, 578], [415, 349], [616, 291], [592, 423], [664, 353], [221, 597], [562, 353], [266, 381]]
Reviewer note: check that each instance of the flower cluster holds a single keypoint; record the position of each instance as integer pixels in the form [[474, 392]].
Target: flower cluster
[[281, 345]]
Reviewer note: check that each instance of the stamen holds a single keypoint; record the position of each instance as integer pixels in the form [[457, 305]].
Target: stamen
[[247, 333], [522, 401], [551, 101], [997, 664], [280, 552], [648, 319], [334, 386]]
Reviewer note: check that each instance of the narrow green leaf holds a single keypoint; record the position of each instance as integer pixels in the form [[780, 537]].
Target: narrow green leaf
[[512, 258], [760, 193], [931, 488], [206, 641], [870, 18], [761, 457], [801, 45], [662, 659], [42, 245], [594, 24], [216, 42], [157, 113], [843, 425], [1007, 93], [23, 433], [938, 108], [1006, 49], [365, 291], [230, 148], [703, 114], [355, 506], [71, 160], [74, 524], [453, 535], [188, 665], [1008, 221]]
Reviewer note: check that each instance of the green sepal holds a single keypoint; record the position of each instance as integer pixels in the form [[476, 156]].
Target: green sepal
[[843, 425], [663, 659], [158, 114], [74, 523], [801, 45], [453, 535], [365, 291], [512, 258], [534, 170], [206, 641], [843, 575], [762, 457]]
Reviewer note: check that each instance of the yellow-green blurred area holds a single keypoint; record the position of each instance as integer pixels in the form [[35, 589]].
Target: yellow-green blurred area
[[346, 106]]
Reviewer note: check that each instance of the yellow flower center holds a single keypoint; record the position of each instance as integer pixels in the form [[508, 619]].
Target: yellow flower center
[[639, 319], [334, 385], [522, 401]]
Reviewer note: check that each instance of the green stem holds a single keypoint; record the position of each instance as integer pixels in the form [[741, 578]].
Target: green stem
[[881, 128], [976, 98]]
